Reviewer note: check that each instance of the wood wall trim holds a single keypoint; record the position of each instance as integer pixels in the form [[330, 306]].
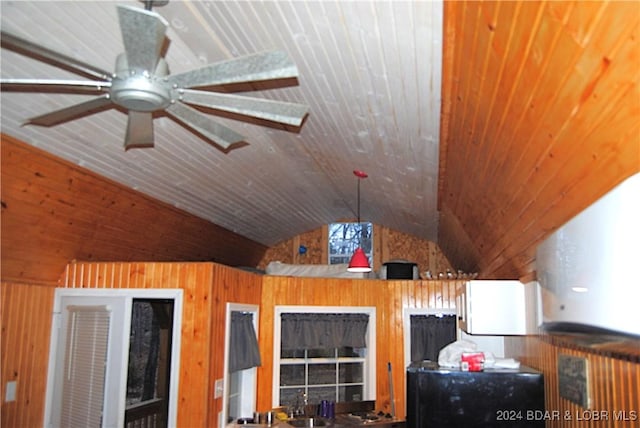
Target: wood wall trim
[[620, 348]]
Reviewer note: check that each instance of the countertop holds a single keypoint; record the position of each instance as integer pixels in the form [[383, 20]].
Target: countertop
[[429, 366], [341, 421]]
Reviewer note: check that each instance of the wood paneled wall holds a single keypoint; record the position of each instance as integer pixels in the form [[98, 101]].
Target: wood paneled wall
[[54, 212], [207, 288], [25, 313], [539, 119], [388, 244], [26, 317], [614, 383], [390, 298], [229, 286]]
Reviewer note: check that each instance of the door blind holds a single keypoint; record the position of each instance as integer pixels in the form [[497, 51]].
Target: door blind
[[84, 372]]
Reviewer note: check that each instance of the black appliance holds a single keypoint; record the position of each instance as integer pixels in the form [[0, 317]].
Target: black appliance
[[399, 270], [440, 397]]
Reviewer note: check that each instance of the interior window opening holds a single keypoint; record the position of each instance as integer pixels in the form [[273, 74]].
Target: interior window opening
[[344, 238]]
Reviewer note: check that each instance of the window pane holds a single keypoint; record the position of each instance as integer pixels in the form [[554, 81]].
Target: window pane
[[288, 396], [321, 353], [339, 260], [234, 396], [351, 352], [142, 348], [292, 374], [322, 374], [350, 373], [148, 354], [350, 393], [292, 353], [319, 393]]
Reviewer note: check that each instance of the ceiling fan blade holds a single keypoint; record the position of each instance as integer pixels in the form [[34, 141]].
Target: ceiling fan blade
[[200, 122], [40, 53], [275, 111], [55, 86], [143, 34], [73, 112], [251, 68], [139, 130]]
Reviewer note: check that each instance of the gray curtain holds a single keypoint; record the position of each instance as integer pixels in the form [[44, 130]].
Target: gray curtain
[[429, 334], [243, 342], [323, 331]]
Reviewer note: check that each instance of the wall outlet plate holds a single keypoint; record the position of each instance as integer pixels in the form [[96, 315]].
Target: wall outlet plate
[[218, 389], [10, 391]]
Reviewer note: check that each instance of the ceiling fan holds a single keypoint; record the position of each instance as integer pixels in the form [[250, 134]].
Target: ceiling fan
[[142, 85]]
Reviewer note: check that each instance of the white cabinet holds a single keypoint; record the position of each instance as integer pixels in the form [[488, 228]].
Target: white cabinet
[[497, 307]]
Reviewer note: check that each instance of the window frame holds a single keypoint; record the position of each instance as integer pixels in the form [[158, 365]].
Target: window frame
[[349, 253], [369, 369]]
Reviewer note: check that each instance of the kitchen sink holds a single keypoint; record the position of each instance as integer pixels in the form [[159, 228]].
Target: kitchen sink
[[307, 422]]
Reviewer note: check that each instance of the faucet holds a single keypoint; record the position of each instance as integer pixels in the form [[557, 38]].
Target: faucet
[[298, 408]]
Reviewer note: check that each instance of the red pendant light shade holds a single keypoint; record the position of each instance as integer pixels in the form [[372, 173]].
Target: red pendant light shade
[[359, 260]]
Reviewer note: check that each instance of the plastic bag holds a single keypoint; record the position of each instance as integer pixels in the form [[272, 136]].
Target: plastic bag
[[451, 354]]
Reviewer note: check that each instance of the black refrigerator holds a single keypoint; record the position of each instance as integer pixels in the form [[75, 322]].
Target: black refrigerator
[[440, 397]]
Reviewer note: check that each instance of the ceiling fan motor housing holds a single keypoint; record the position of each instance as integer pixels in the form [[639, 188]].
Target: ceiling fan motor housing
[[141, 90]]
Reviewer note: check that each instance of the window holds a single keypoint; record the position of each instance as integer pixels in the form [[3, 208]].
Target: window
[[344, 238], [242, 356], [339, 366], [149, 372]]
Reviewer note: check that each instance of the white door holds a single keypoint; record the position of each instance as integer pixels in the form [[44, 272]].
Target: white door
[[88, 360], [91, 362]]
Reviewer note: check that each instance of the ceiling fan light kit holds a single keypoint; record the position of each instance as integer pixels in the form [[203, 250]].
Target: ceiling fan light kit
[[143, 86]]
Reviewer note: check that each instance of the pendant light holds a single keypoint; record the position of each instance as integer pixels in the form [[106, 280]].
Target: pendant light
[[359, 260]]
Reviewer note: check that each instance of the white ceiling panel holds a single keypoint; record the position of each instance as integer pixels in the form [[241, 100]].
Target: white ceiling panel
[[370, 72]]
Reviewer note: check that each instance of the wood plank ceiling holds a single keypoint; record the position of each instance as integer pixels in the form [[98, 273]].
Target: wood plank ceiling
[[538, 116], [541, 117], [369, 70]]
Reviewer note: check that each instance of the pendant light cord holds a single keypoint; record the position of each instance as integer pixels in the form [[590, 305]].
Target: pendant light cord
[[359, 179]]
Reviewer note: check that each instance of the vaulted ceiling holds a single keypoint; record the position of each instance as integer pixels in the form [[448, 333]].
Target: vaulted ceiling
[[369, 72], [482, 125]]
